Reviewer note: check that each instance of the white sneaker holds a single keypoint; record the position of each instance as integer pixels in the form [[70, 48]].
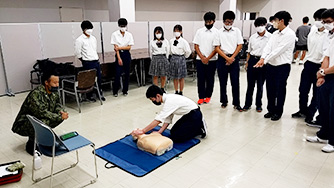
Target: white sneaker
[[328, 148], [315, 139]]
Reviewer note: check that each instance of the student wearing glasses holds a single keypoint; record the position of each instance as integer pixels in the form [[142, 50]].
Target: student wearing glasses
[[180, 50], [228, 45], [159, 53]]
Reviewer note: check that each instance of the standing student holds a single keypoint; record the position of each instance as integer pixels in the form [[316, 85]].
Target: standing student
[[206, 60], [228, 45], [159, 54], [180, 50], [278, 56], [301, 45], [122, 41], [326, 91], [257, 42], [85, 50], [315, 42]]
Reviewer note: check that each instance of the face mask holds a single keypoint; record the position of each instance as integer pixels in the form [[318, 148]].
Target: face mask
[[227, 27], [209, 26], [177, 34], [318, 24], [123, 29], [260, 29], [53, 89], [275, 24], [156, 103], [89, 31], [329, 26], [158, 36]]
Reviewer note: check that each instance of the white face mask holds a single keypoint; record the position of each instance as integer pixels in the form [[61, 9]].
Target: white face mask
[[177, 34], [318, 24], [123, 29], [275, 24], [260, 29], [228, 27], [158, 36], [329, 26], [89, 31]]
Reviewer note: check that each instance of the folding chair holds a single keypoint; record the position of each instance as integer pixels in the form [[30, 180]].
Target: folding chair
[[45, 139]]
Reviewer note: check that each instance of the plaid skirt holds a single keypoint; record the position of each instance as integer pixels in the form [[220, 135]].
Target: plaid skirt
[[159, 65], [178, 67]]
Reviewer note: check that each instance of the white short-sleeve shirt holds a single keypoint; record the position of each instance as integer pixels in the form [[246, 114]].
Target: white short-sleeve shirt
[[330, 53], [155, 50], [174, 104], [182, 47], [85, 48], [204, 38], [120, 40], [257, 43], [228, 40], [315, 43]]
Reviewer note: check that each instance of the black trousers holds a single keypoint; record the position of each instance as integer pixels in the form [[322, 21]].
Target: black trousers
[[258, 76], [326, 110], [205, 78], [308, 79], [125, 69], [234, 70], [276, 87], [188, 126], [94, 64]]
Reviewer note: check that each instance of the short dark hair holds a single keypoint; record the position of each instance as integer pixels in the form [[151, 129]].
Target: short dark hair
[[318, 13], [260, 21], [122, 22], [228, 15], [86, 24], [329, 13], [46, 76], [158, 28], [305, 19], [283, 15], [209, 16], [271, 18], [152, 91], [178, 27]]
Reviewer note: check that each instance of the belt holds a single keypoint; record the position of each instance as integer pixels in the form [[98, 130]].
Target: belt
[[229, 55], [256, 57]]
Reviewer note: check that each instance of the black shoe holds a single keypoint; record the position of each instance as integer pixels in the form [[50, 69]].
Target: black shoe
[[91, 99], [102, 98], [298, 115], [238, 108], [115, 95], [245, 108], [268, 115], [163, 90], [312, 123], [259, 109], [275, 117], [180, 93], [176, 92], [125, 94], [224, 105]]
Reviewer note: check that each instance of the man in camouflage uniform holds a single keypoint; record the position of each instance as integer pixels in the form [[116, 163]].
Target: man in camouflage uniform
[[44, 104]]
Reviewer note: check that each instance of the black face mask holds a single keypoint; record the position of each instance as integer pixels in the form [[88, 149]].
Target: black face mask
[[209, 26], [156, 103], [53, 89]]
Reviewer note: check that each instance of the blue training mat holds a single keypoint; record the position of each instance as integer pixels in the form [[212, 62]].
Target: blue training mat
[[125, 154]]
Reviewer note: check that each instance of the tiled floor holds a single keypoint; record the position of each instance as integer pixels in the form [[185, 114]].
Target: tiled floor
[[242, 149]]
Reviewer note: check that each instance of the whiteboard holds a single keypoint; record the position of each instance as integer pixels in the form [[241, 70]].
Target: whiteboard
[[21, 49]]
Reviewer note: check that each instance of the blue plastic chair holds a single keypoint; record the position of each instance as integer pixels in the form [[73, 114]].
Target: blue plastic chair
[[46, 141]]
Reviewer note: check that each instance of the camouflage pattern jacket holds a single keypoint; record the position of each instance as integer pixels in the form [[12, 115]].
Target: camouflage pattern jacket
[[45, 107]]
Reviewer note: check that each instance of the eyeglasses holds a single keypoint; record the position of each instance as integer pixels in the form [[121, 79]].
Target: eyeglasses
[[228, 22]]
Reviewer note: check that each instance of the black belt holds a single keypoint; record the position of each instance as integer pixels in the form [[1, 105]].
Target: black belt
[[256, 57], [229, 55]]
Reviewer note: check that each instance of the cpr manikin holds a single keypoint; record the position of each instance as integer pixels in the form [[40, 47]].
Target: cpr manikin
[[154, 143]]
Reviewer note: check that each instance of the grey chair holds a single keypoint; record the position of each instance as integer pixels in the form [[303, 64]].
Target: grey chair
[[85, 82], [46, 140]]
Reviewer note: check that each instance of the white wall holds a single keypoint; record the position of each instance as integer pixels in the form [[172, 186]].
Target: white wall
[[24, 11], [169, 10]]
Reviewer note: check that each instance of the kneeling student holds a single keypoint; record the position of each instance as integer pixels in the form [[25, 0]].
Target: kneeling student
[[190, 125]]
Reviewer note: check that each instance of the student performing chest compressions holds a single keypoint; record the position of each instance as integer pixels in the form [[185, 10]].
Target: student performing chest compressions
[[190, 125]]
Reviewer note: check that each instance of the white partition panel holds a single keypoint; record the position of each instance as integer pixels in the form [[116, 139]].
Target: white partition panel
[[139, 32], [107, 29], [21, 48], [218, 24], [57, 39], [2, 77], [247, 26], [188, 31], [238, 24], [252, 29]]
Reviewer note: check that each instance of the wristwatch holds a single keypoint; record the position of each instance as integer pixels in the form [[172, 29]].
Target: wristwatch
[[322, 72]]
